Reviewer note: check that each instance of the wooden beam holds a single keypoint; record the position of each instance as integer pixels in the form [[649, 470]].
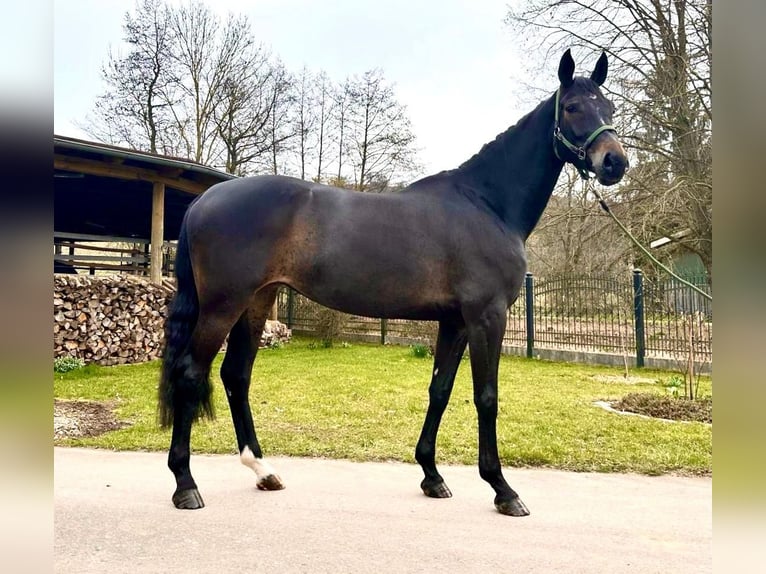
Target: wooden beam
[[158, 232], [171, 172], [92, 237], [99, 168]]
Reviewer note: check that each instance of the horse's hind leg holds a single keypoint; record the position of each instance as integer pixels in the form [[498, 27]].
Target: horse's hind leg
[[236, 374], [192, 388], [450, 345]]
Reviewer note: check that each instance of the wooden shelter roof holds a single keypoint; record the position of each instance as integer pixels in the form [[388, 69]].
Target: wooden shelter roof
[[106, 190]]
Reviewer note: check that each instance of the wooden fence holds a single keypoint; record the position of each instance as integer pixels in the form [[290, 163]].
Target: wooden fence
[[78, 251]]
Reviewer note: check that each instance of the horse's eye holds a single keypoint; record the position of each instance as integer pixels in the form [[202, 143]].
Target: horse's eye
[[570, 108]]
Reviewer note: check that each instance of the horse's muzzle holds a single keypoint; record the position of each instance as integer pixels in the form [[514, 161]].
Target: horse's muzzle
[[608, 159]]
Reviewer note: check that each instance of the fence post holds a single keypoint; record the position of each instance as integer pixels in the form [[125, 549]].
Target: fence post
[[529, 297], [290, 307], [638, 310], [383, 331]]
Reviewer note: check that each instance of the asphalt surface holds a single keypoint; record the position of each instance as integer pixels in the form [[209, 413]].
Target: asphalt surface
[[113, 514]]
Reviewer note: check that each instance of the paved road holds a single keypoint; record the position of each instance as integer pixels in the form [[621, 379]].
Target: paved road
[[113, 514]]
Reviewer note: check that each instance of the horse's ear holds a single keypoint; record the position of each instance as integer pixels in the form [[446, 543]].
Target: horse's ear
[[599, 72], [566, 69]]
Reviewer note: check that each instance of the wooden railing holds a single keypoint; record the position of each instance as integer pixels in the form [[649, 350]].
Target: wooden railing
[[73, 251]]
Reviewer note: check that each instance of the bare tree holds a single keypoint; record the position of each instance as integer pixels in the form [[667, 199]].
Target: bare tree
[[196, 86], [574, 236], [314, 123], [200, 57], [280, 129], [213, 57], [305, 119], [190, 85], [243, 117], [342, 101], [133, 110], [662, 54], [324, 115], [382, 142]]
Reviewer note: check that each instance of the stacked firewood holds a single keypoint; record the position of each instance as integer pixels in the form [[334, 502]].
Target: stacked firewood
[[118, 319], [274, 334], [108, 320]]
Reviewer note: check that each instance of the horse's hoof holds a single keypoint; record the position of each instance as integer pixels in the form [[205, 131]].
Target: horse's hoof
[[512, 507], [270, 482], [189, 499], [435, 489]]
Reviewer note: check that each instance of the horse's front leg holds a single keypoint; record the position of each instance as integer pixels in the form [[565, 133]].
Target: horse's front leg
[[485, 337], [450, 345]]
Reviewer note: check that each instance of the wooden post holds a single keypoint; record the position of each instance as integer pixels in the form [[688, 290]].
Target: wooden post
[[158, 232], [274, 313]]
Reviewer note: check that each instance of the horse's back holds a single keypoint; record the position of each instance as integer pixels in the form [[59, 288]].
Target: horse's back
[[280, 204], [238, 198]]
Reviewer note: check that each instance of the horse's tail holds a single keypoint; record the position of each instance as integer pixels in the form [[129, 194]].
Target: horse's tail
[[182, 317]]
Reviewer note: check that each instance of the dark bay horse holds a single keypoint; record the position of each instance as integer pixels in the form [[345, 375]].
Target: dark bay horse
[[448, 248]]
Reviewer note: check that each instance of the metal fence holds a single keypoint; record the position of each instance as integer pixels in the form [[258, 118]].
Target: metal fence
[[630, 316]]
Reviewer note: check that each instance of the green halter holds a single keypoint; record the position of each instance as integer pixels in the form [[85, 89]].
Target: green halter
[[581, 151]]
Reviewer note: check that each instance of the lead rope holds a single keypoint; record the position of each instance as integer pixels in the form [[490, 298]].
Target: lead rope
[[643, 249]]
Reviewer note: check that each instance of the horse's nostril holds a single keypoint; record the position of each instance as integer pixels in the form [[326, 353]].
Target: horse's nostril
[[614, 164]]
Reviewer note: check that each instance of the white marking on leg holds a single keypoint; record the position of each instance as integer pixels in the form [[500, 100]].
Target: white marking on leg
[[261, 468], [436, 371]]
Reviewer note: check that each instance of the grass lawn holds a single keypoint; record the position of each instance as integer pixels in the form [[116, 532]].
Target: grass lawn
[[367, 402]]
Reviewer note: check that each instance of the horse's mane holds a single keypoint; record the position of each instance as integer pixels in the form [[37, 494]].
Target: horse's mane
[[501, 141]]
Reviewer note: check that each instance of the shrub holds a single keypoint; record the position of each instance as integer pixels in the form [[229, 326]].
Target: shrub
[[674, 385], [421, 351], [329, 326], [66, 364]]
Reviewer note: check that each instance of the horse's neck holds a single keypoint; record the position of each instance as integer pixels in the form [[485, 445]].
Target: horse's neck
[[515, 174]]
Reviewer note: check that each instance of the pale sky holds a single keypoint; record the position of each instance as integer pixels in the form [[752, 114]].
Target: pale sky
[[452, 61]]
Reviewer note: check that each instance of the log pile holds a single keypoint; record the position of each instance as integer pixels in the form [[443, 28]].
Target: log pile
[[118, 319], [274, 334], [109, 320]]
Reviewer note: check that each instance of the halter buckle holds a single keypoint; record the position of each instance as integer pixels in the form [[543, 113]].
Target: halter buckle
[[580, 152]]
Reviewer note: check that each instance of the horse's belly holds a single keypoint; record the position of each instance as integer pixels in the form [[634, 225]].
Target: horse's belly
[[376, 295]]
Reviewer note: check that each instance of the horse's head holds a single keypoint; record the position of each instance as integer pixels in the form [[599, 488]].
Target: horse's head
[[582, 131]]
